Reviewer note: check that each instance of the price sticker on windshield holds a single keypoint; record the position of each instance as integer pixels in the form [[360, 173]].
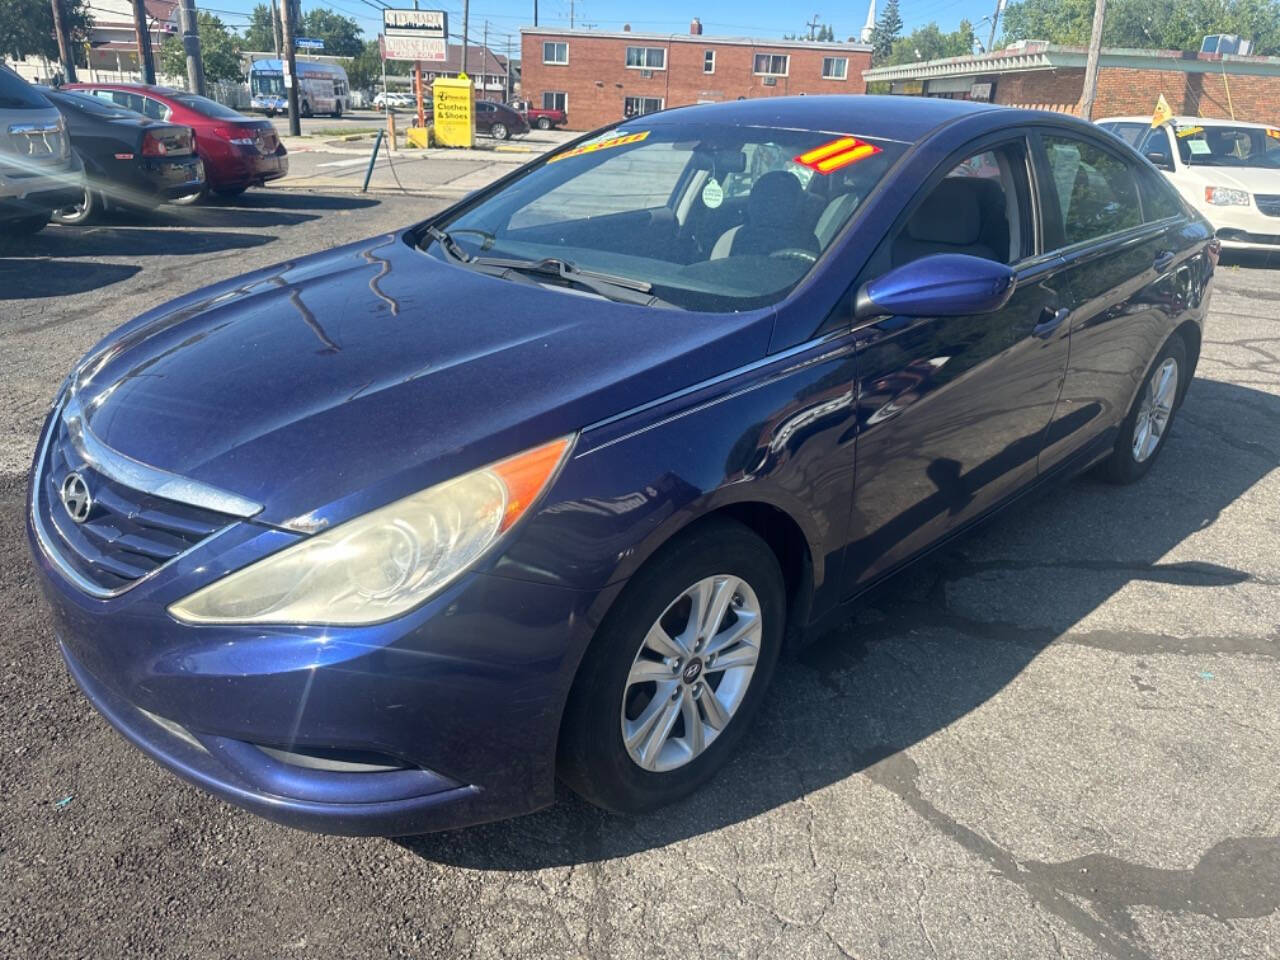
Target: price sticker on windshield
[[836, 154], [606, 144]]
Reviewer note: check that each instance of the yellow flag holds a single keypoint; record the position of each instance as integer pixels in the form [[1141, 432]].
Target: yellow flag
[[1163, 112]]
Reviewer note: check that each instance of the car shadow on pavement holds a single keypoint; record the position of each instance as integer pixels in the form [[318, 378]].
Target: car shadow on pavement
[[174, 215], [290, 200], [58, 278], [111, 241], [939, 642]]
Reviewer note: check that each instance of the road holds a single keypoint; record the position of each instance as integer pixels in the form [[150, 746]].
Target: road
[[1056, 737]]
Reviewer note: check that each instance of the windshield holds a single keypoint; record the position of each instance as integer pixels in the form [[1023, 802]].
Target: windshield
[[268, 85], [1222, 146], [99, 108], [714, 218], [210, 108]]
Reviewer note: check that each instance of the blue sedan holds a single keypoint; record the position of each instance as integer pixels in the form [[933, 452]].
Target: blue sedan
[[389, 538]]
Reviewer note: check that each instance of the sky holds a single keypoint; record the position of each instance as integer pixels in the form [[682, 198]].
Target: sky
[[750, 18]]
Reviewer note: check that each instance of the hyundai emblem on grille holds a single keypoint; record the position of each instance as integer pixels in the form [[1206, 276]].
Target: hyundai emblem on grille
[[76, 497]]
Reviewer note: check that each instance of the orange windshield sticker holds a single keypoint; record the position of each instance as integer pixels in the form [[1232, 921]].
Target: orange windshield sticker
[[601, 145], [836, 154], [1273, 133]]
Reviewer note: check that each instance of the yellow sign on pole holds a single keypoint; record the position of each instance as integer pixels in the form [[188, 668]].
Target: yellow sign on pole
[[454, 111]]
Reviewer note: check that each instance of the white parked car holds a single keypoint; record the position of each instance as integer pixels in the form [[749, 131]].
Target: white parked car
[[1227, 169], [396, 101]]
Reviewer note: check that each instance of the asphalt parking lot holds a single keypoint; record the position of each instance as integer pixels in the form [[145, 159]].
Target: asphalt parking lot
[[1056, 737]]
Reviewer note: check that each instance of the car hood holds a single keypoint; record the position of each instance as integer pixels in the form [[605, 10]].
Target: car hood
[[330, 384], [1252, 179]]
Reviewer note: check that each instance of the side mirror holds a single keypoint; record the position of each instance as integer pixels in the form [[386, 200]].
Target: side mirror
[[1161, 161], [942, 285]]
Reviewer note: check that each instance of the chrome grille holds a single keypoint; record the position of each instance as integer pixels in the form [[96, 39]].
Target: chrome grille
[[1268, 203], [135, 523]]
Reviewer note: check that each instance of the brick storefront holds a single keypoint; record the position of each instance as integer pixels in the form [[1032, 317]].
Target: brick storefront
[[1049, 77], [599, 87]]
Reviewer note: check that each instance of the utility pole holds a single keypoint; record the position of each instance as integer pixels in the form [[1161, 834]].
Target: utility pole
[[466, 13], [812, 25], [484, 61], [275, 27], [570, 14], [290, 66], [1091, 64], [995, 20], [144, 42], [191, 46], [535, 12], [64, 44]]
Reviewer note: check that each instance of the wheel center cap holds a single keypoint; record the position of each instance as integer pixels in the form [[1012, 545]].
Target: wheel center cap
[[692, 670]]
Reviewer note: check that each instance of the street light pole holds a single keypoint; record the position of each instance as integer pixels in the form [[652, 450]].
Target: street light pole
[[191, 46], [290, 66], [64, 44], [1091, 64], [466, 14]]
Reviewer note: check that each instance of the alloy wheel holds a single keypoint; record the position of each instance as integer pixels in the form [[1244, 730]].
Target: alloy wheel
[[1159, 396], [691, 673]]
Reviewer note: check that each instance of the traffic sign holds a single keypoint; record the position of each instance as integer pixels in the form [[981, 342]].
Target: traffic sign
[[308, 43]]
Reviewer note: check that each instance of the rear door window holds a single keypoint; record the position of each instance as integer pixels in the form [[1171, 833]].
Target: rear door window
[[154, 109], [1095, 191]]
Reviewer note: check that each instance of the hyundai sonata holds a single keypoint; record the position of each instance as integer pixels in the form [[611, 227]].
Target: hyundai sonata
[[388, 538]]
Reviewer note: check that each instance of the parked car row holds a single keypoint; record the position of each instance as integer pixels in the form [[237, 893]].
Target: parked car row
[[71, 152]]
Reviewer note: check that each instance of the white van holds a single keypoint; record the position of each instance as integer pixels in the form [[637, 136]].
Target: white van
[[1228, 170]]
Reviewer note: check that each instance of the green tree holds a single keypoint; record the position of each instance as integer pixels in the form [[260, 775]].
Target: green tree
[[219, 51], [260, 34], [341, 35], [930, 43], [365, 70], [26, 28], [886, 31], [1152, 24]]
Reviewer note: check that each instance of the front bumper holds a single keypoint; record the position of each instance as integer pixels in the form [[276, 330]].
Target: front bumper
[[1244, 227], [453, 709]]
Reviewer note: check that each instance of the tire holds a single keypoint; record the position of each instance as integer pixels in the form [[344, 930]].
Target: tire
[[594, 760], [544, 123], [86, 210], [230, 193], [23, 226], [1142, 434], [191, 199], [499, 131]]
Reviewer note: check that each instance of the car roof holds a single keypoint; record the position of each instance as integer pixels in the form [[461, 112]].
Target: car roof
[[883, 117], [1184, 121], [133, 87]]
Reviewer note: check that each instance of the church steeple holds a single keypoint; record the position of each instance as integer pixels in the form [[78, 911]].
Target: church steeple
[[865, 36]]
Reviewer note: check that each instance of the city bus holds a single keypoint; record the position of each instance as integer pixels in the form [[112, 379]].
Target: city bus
[[322, 88]]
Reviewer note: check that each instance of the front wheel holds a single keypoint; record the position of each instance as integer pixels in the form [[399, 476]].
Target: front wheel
[[676, 672], [1143, 432], [499, 131]]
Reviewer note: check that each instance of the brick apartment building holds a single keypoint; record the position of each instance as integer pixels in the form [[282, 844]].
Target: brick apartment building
[[600, 77], [1051, 77]]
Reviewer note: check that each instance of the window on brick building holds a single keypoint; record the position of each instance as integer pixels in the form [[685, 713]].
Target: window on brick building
[[772, 64], [635, 106], [709, 61], [647, 58], [555, 52], [555, 100], [835, 68]]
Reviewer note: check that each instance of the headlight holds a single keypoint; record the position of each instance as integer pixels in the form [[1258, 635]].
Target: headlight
[[384, 563], [1226, 196]]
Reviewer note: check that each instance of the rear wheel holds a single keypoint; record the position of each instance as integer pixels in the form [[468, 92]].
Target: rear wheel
[[229, 193], [82, 212], [1143, 432], [544, 123], [192, 198], [499, 131], [676, 672]]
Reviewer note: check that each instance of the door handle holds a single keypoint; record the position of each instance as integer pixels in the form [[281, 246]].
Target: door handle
[[1050, 320], [1164, 259]]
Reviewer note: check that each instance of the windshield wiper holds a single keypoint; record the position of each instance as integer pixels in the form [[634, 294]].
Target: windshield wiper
[[449, 245], [610, 286]]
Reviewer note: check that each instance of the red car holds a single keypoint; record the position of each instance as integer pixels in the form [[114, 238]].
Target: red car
[[238, 151], [544, 118]]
